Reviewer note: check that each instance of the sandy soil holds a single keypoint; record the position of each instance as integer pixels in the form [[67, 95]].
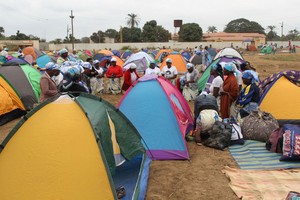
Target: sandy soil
[[201, 177]]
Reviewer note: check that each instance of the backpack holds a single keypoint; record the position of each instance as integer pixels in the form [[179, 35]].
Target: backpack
[[291, 143], [236, 136], [275, 141], [219, 136]]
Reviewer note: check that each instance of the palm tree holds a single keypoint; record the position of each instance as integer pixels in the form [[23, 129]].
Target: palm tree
[[132, 20], [212, 29], [271, 27]]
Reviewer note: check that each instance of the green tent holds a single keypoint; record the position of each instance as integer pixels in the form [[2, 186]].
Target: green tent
[[34, 77], [266, 50], [82, 56], [100, 112], [205, 76]]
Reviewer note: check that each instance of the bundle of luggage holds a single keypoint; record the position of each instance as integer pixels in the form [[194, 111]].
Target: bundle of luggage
[[258, 125]]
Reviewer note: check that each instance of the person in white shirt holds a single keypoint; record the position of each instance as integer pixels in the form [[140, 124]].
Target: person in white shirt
[[190, 89], [216, 85], [4, 52], [152, 69], [170, 72], [97, 83]]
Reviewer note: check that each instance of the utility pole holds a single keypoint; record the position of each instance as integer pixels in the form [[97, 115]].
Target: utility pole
[[68, 29], [281, 29], [121, 35], [72, 18]]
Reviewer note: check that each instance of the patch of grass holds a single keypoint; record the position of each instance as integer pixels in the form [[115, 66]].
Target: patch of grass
[[284, 57]]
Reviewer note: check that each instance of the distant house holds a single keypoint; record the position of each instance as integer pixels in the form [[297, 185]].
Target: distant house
[[257, 38]]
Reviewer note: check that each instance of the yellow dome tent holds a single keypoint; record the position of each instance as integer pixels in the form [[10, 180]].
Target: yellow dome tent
[[55, 152]]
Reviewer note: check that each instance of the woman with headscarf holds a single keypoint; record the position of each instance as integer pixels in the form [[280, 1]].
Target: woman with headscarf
[[114, 73], [215, 87], [130, 76], [63, 56], [190, 89], [71, 82], [97, 83], [249, 97], [47, 84], [229, 92]]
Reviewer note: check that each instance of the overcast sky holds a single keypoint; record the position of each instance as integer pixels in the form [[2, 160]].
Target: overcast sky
[[49, 18]]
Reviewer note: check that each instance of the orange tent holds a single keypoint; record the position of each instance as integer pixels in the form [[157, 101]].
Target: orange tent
[[120, 62], [31, 51], [162, 51], [177, 61], [106, 52]]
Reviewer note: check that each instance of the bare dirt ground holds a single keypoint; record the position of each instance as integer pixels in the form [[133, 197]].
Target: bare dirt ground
[[201, 177]]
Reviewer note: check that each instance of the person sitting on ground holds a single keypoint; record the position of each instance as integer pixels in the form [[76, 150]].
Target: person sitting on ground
[[248, 98], [130, 76], [229, 92], [152, 69], [86, 75], [63, 56], [47, 84], [97, 83], [169, 71], [215, 87], [190, 89], [114, 73]]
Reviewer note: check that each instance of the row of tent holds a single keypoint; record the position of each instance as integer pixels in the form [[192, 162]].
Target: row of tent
[[24, 81]]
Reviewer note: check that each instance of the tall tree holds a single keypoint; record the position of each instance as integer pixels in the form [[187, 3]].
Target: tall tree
[[243, 25], [271, 35], [112, 33], [98, 37], [1, 32], [19, 36], [293, 34], [56, 41], [212, 29], [154, 33], [190, 32], [131, 34], [132, 20]]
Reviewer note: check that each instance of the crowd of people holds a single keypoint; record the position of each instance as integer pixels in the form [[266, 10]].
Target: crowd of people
[[233, 88]]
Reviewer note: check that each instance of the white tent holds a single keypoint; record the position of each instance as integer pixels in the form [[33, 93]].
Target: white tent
[[228, 52], [141, 59]]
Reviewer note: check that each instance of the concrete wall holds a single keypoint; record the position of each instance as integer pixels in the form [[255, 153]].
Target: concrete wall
[[16, 43], [172, 45]]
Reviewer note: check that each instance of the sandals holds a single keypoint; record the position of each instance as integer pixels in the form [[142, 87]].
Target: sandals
[[121, 192]]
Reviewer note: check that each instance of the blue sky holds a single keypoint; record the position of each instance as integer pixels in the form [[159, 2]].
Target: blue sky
[[49, 19]]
